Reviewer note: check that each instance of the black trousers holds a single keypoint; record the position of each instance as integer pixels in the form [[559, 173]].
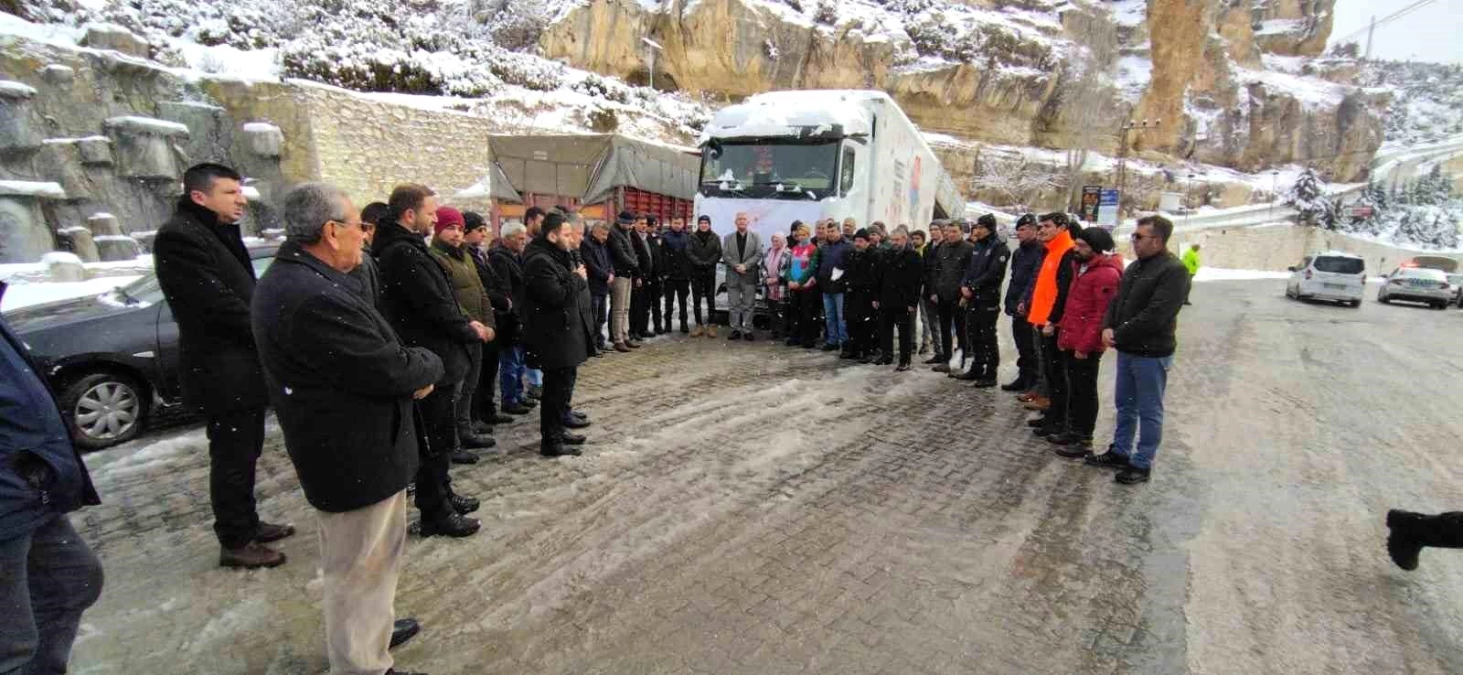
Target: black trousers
[[1057, 389], [484, 401], [654, 290], [985, 351], [1082, 384], [952, 317], [781, 320], [1027, 366], [862, 320], [901, 317], [600, 306], [554, 404], [640, 310], [235, 441], [436, 413], [676, 288], [703, 285], [806, 314]]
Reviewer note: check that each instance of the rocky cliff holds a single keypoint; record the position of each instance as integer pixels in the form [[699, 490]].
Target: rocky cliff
[[1223, 76]]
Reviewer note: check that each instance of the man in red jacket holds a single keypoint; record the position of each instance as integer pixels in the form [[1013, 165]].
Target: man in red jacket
[[1097, 272]]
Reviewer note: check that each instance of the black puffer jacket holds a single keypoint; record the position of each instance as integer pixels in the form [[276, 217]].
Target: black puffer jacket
[[1025, 262], [903, 274], [1144, 314], [985, 272], [704, 251], [676, 254], [864, 272], [417, 299]]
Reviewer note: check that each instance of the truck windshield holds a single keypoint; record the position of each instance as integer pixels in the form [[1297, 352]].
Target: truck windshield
[[803, 170]]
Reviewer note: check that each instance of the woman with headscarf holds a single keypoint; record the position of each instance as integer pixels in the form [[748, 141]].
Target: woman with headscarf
[[775, 266]]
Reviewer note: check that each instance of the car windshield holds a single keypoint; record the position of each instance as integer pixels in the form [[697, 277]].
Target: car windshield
[[1339, 265], [755, 169]]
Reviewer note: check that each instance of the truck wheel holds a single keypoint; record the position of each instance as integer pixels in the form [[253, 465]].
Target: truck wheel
[[103, 409]]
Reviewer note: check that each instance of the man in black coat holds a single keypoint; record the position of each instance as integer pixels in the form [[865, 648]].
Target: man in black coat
[[703, 251], [507, 262], [208, 279], [640, 328], [655, 284], [899, 298], [556, 332], [675, 247], [1025, 261], [596, 254], [980, 291], [951, 258], [342, 386], [485, 399], [863, 290], [417, 298], [626, 264]]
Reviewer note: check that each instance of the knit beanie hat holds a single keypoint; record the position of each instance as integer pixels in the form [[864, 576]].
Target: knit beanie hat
[[1098, 238], [449, 217], [862, 233]]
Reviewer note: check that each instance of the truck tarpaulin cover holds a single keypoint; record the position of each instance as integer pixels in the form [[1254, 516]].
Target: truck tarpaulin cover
[[590, 167]]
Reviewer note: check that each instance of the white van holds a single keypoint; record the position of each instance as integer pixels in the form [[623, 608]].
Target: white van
[[1332, 276]]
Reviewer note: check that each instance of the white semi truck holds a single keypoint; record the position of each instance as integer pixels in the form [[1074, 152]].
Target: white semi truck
[[805, 155]]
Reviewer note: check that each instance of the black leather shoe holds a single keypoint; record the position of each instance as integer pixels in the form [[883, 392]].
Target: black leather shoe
[[483, 428], [403, 631], [451, 526], [934, 359], [530, 403], [1064, 438], [1132, 475], [1017, 385], [572, 439], [830, 347], [268, 532], [499, 418], [464, 457], [903, 368], [1035, 423], [573, 422], [749, 336], [519, 409], [1108, 460], [986, 383], [462, 505], [558, 450], [967, 376], [477, 442], [735, 335], [942, 368], [535, 393]]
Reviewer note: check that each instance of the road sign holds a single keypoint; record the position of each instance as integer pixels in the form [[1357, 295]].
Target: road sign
[[1107, 209]]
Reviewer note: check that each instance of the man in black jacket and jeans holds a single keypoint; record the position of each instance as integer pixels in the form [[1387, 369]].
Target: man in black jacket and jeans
[[1025, 261], [557, 333], [342, 386], [951, 259], [980, 291], [417, 298], [208, 280], [1140, 324]]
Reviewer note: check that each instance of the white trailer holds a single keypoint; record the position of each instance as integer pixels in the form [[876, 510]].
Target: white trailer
[[806, 155]]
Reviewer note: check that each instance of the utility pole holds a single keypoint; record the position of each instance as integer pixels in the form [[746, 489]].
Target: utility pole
[[1369, 31], [1274, 188], [1129, 125]]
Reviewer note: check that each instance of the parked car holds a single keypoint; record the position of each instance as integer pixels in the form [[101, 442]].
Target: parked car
[[1417, 284], [1456, 280], [1331, 276], [112, 359]]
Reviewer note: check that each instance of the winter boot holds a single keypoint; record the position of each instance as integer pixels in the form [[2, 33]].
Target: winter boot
[[1018, 385], [711, 330], [1411, 532], [698, 331]]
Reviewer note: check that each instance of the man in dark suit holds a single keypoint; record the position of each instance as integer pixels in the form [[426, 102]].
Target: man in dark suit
[[557, 333], [206, 275], [417, 298]]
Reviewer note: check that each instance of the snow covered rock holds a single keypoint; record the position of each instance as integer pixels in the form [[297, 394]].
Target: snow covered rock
[[115, 38], [18, 130], [63, 266], [263, 139], [146, 147]]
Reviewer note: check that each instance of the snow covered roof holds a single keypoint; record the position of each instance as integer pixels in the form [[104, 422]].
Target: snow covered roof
[[790, 113]]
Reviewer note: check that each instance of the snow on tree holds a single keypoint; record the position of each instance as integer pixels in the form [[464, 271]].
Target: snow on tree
[[1308, 196]]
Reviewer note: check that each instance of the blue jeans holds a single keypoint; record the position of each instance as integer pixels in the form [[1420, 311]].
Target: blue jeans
[[510, 375], [837, 330], [1141, 381], [535, 377], [48, 577]]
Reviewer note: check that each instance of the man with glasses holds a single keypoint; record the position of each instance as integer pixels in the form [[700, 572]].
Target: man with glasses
[[1141, 324]]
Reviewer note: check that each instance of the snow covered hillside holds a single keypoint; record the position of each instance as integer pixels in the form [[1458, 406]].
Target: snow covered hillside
[[1427, 104]]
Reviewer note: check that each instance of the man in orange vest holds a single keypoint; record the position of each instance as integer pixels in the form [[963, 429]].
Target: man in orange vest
[[1048, 297]]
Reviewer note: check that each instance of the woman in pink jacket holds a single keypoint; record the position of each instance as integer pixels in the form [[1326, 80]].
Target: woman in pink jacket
[[1094, 283]]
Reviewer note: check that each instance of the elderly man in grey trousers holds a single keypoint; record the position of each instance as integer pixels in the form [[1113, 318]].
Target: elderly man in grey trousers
[[741, 252]]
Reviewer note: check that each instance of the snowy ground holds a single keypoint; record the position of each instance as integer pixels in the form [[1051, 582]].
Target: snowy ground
[[749, 508]]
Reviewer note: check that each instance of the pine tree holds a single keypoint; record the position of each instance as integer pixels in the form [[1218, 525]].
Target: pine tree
[[1308, 196]]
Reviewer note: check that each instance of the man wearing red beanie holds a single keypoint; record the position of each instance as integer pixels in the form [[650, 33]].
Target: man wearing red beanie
[[448, 250]]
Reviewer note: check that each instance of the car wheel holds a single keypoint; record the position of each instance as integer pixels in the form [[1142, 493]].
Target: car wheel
[[1383, 299], [1355, 303], [104, 409]]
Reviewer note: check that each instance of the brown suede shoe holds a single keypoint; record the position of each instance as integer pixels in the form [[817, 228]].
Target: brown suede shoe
[[621, 347], [1039, 403], [270, 532], [697, 331], [252, 555], [711, 331]]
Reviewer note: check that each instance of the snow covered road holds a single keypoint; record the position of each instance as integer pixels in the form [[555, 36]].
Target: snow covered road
[[751, 508]]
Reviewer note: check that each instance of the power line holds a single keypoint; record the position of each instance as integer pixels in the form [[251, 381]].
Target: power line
[[1387, 19]]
